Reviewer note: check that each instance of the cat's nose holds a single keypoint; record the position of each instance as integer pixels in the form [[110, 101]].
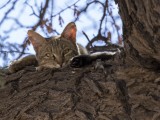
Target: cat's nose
[[60, 62], [60, 65]]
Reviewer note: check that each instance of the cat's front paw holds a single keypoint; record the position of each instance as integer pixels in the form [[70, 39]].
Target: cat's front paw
[[80, 61], [76, 62], [39, 68]]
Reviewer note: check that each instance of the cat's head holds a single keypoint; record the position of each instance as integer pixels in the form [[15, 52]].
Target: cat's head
[[55, 52]]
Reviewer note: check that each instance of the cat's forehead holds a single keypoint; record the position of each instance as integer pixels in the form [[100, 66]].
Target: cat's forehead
[[53, 38], [59, 41], [56, 37]]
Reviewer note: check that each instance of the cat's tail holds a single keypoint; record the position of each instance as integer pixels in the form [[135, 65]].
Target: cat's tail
[[102, 55]]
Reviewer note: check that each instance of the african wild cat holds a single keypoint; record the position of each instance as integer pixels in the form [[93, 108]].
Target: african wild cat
[[56, 52]]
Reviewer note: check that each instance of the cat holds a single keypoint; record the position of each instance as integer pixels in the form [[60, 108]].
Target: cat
[[57, 52]]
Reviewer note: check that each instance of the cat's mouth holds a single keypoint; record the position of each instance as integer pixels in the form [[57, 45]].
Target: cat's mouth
[[50, 66]]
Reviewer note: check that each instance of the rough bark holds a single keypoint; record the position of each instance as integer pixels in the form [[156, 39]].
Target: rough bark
[[126, 87], [64, 94], [112, 92], [141, 27]]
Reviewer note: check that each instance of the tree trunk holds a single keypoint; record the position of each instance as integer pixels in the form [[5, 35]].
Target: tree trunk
[[123, 88], [141, 27]]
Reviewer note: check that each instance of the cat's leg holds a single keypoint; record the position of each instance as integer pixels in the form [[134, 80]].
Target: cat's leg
[[83, 60], [80, 61], [22, 63]]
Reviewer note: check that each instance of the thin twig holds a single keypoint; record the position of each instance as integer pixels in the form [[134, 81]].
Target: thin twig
[[5, 4], [65, 9]]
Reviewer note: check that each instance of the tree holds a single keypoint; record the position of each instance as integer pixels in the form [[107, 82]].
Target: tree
[[126, 88], [141, 36]]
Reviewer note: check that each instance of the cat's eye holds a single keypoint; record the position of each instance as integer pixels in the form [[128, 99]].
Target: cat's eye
[[53, 57], [66, 51], [47, 55]]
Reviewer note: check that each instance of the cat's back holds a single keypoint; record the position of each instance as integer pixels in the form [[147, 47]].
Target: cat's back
[[82, 50]]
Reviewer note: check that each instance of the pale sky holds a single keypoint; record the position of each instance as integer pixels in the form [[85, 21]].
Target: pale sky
[[88, 22]]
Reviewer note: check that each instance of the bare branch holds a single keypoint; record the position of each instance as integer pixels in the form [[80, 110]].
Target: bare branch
[[103, 16], [5, 4], [65, 9], [6, 14], [86, 36]]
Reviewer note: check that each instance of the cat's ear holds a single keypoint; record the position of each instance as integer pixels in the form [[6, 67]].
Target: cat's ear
[[36, 39], [69, 32]]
